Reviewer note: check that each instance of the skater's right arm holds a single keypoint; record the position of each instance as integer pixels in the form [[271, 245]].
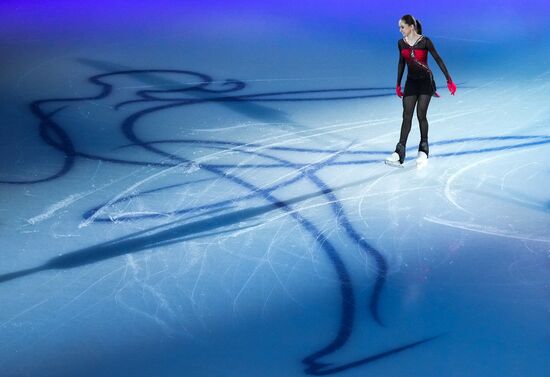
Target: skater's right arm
[[400, 66]]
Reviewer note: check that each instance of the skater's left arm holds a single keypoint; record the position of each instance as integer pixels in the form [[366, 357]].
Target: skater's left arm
[[438, 59]]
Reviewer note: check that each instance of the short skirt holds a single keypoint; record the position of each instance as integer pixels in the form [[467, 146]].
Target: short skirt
[[423, 85]]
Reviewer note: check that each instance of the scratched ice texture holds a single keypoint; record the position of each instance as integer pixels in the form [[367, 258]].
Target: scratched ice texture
[[201, 192]]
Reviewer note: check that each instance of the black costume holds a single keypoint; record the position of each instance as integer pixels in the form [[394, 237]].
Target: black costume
[[419, 86], [418, 76]]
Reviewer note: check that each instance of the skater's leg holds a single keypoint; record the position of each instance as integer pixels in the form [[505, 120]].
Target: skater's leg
[[398, 157], [421, 112], [408, 110]]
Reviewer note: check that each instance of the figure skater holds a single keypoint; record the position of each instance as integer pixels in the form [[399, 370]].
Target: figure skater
[[419, 86]]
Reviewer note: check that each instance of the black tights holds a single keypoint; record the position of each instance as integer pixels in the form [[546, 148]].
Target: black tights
[[421, 111]]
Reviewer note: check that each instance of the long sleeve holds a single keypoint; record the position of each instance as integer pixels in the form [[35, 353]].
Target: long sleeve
[[437, 58], [400, 65]]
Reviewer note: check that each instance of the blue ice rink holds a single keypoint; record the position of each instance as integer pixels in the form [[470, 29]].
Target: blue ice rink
[[198, 189]]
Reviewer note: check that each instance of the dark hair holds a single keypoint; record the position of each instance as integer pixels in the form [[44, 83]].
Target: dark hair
[[410, 20]]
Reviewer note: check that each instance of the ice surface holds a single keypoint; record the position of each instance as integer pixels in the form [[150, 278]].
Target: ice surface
[[209, 198]]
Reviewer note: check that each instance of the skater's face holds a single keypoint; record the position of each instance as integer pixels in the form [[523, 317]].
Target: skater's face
[[404, 28]]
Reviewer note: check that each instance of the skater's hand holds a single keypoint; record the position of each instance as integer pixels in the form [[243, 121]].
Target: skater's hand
[[398, 91], [452, 87]]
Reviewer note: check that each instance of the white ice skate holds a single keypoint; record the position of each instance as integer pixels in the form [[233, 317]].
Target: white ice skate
[[393, 160], [421, 159]]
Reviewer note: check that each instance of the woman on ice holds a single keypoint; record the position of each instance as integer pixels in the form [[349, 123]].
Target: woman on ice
[[419, 86]]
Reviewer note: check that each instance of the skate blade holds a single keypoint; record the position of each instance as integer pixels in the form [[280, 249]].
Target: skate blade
[[422, 167], [394, 164], [422, 162]]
